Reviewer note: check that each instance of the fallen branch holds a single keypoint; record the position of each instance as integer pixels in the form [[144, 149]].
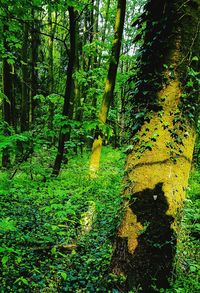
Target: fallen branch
[[24, 158], [59, 246]]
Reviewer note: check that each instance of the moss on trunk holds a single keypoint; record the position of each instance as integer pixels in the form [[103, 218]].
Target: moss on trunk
[[157, 169]]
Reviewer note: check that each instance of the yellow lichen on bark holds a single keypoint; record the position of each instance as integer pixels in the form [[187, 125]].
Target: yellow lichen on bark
[[159, 165], [95, 157], [118, 19], [103, 113], [130, 229], [110, 83]]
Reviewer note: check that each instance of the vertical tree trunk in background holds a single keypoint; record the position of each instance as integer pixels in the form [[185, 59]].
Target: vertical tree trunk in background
[[109, 86], [25, 81], [96, 58], [96, 31], [85, 38], [8, 114], [6, 109], [77, 93], [67, 108], [91, 27], [106, 21], [52, 29], [13, 97], [105, 28], [34, 72], [159, 164]]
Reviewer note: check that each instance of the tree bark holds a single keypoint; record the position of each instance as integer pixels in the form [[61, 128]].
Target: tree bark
[[106, 21], [67, 107], [8, 101], [158, 165], [109, 86], [25, 81], [52, 29], [35, 41]]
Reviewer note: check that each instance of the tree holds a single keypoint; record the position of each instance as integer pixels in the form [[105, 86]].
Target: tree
[[109, 85], [164, 114], [8, 100], [52, 29], [25, 104], [35, 43], [67, 108]]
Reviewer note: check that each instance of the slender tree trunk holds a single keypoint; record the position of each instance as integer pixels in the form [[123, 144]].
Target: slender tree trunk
[[25, 80], [34, 72], [91, 25], [6, 109], [105, 28], [67, 108], [78, 114], [109, 86], [7, 101], [158, 165], [13, 98], [52, 29], [106, 21], [96, 31], [95, 60]]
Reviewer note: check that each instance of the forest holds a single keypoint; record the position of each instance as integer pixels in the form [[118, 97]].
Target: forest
[[99, 146]]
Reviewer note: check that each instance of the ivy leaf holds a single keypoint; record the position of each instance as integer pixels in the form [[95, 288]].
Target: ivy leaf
[[190, 83], [4, 260], [64, 275], [7, 225], [10, 61], [139, 115], [128, 149], [22, 280], [195, 58], [135, 127]]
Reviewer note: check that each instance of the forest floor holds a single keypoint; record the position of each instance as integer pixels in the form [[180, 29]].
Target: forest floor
[[56, 236]]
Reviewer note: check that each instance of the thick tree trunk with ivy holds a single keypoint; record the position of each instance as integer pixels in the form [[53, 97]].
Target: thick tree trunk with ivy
[[165, 103], [109, 86], [67, 107]]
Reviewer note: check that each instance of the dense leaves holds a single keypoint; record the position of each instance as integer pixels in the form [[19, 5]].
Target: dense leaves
[[45, 243]]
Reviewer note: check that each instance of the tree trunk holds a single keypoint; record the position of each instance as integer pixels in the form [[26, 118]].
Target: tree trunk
[[8, 109], [35, 41], [106, 21], [158, 165], [76, 87], [109, 86], [52, 29], [67, 108], [25, 80], [96, 32]]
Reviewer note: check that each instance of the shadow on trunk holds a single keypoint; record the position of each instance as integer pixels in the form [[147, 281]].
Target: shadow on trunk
[[150, 266]]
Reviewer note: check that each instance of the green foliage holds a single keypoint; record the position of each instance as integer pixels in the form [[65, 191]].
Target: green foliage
[[190, 97], [38, 219], [187, 268]]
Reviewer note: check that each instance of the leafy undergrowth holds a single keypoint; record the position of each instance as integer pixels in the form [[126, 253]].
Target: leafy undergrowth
[[46, 240], [187, 266], [56, 236]]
